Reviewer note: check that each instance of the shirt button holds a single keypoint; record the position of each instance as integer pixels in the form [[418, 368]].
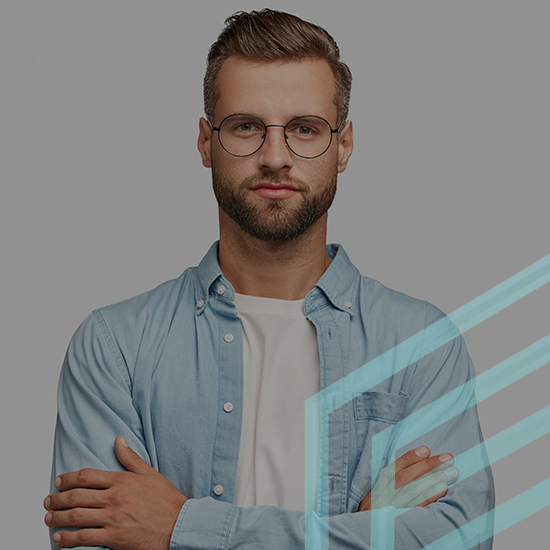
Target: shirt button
[[228, 338], [221, 289], [200, 303], [228, 407], [218, 490], [348, 304]]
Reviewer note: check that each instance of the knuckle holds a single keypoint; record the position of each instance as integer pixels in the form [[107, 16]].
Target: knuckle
[[401, 479], [408, 458], [72, 498], [120, 477], [82, 477], [117, 499], [84, 537], [75, 516]]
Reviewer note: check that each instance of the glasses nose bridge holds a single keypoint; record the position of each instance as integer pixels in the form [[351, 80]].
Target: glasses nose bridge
[[266, 126]]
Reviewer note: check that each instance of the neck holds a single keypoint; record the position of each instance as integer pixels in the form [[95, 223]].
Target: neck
[[286, 271]]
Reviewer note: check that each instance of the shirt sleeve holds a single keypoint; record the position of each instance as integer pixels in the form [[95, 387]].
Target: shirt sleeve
[[442, 395], [94, 406]]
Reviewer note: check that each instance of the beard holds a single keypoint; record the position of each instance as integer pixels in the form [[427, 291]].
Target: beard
[[273, 220]]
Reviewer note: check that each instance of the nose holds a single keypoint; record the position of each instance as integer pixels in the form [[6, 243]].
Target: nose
[[274, 155]]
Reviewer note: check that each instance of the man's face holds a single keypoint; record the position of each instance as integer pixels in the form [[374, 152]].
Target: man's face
[[273, 195]]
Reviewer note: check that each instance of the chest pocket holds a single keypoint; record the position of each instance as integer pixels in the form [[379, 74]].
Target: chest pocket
[[374, 412], [376, 405]]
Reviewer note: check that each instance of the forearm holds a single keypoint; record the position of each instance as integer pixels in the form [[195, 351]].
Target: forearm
[[205, 524]]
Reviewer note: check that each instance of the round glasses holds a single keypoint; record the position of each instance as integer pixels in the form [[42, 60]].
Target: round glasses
[[307, 137]]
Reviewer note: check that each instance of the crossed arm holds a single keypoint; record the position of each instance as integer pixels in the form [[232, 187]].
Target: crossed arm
[[138, 509]]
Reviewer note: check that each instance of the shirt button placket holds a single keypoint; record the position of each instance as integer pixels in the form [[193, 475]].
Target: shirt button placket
[[226, 447]]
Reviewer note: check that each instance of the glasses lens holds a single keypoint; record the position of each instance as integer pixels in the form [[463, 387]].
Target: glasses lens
[[308, 136], [242, 135]]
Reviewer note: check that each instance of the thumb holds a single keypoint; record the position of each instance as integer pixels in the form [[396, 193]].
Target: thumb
[[130, 459]]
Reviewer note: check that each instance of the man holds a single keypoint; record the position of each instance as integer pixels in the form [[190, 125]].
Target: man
[[205, 377]]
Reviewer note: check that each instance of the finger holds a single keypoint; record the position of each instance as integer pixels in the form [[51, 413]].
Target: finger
[[86, 478], [407, 475], [440, 491], [130, 459], [387, 477], [75, 498], [423, 488], [83, 537], [412, 457], [77, 517], [365, 504]]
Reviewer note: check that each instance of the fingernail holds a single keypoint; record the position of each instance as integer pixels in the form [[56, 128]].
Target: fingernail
[[57, 482], [451, 471], [47, 502], [445, 457], [123, 441], [440, 487], [57, 538], [422, 451], [48, 518]]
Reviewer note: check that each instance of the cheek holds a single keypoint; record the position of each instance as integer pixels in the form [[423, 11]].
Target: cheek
[[231, 169], [322, 171]]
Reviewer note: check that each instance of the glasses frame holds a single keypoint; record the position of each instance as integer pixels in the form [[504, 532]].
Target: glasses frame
[[266, 126]]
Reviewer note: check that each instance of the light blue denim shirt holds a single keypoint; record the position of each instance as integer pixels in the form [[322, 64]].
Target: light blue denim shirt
[[159, 368]]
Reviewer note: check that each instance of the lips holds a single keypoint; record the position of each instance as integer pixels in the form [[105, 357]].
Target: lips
[[274, 190]]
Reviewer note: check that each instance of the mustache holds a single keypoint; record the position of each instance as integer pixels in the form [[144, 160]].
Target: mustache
[[274, 177]]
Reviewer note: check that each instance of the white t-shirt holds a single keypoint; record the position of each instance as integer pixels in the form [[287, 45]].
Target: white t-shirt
[[281, 371]]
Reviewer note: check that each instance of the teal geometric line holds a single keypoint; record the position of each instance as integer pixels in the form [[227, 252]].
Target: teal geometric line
[[503, 516], [401, 356], [448, 406], [411, 350], [469, 463], [458, 400], [453, 403], [510, 440]]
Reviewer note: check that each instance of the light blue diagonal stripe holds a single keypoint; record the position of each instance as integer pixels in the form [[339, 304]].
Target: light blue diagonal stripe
[[458, 400], [403, 355], [455, 402], [504, 516], [469, 463]]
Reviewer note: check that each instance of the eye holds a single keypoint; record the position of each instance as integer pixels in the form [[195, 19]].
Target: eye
[[242, 126], [305, 128], [245, 127]]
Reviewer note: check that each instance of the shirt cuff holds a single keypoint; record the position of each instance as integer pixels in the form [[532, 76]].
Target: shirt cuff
[[203, 524]]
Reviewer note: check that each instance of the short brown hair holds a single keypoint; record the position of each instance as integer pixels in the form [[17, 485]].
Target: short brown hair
[[269, 35]]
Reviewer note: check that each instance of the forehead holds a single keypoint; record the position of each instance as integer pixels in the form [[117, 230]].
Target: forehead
[[276, 91]]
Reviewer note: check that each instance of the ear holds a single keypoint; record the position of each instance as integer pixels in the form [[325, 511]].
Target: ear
[[204, 143], [345, 145]]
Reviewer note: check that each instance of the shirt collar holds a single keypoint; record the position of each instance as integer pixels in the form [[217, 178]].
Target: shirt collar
[[338, 284]]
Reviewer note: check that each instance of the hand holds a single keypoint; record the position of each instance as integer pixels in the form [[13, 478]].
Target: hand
[[412, 480], [133, 510]]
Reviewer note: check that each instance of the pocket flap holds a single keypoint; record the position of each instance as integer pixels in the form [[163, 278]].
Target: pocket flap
[[375, 405]]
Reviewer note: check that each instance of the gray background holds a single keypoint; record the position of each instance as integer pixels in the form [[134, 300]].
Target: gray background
[[103, 194]]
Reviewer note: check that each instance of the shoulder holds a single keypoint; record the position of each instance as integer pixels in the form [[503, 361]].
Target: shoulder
[[119, 330], [394, 308], [154, 305]]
